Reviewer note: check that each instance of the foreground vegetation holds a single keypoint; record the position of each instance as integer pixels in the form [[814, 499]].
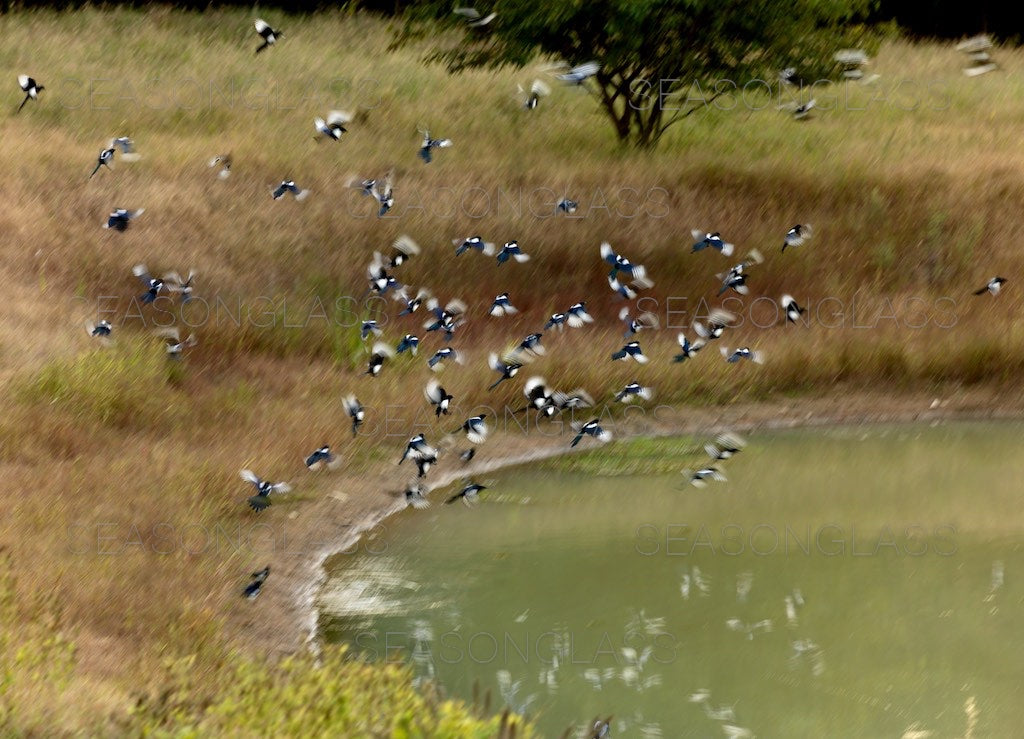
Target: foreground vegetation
[[103, 452]]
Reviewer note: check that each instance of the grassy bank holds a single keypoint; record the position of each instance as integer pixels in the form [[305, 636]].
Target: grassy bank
[[107, 455]]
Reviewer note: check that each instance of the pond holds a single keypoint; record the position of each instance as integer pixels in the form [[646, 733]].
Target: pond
[[857, 581]]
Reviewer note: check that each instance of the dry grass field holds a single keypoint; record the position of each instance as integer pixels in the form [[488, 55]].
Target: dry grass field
[[913, 186]]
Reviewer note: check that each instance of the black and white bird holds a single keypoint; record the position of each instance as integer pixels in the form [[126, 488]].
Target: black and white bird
[[638, 280], [699, 478], [567, 206], [412, 304], [634, 391], [717, 321], [381, 281], [556, 321], [256, 583], [725, 445], [152, 284], [441, 356], [224, 162], [119, 218], [355, 411], [424, 463], [268, 34], [127, 147], [261, 500], [576, 316], [445, 319], [103, 160], [429, 144], [993, 286], [686, 348], [474, 19], [176, 346], [475, 243], [467, 456], [602, 729], [645, 320], [502, 306], [184, 287], [508, 368], [381, 190], [792, 308], [415, 497], [632, 351], [475, 428], [618, 262], [469, 494], [579, 74], [736, 277], [511, 250], [713, 240], [531, 345], [537, 90], [321, 458], [381, 353], [743, 352], [334, 126], [803, 110], [369, 327], [289, 186], [590, 428], [30, 87], [417, 447], [101, 329], [402, 250], [797, 235], [409, 343], [539, 397], [578, 398]]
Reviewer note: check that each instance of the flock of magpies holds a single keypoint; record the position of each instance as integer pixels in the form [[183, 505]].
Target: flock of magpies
[[625, 278]]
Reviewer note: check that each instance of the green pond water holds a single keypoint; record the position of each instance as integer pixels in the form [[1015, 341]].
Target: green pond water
[[861, 582]]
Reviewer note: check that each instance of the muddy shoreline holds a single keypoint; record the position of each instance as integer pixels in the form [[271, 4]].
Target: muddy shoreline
[[288, 618]]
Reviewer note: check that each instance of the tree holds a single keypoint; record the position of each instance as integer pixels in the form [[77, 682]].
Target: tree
[[655, 55]]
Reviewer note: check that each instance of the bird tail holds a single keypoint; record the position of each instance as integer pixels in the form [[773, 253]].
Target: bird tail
[[982, 291], [262, 47], [23, 102]]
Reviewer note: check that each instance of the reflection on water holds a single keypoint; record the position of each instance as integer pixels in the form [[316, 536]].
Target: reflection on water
[[850, 582]]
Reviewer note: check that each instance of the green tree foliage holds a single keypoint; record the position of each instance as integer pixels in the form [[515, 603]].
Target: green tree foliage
[[660, 59]]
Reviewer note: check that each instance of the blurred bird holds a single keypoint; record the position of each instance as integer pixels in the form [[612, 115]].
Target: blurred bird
[[261, 501], [502, 306], [632, 351], [511, 250], [417, 447], [322, 457], [409, 343], [424, 463], [793, 310], [797, 235], [429, 144], [633, 391], [742, 353], [415, 497], [714, 240], [717, 321], [153, 284], [445, 319], [183, 287], [268, 34], [224, 160], [803, 111], [369, 327], [473, 17], [556, 321], [355, 411], [618, 262], [531, 345], [507, 368], [725, 445], [256, 584], [537, 90], [380, 281], [30, 88], [467, 456], [381, 353], [441, 356], [646, 320], [994, 286], [567, 206], [475, 429], [687, 350], [101, 329], [176, 346], [468, 495], [699, 478], [576, 316], [579, 74], [127, 147], [289, 186], [380, 190], [334, 126], [539, 397], [120, 218], [602, 729], [412, 304], [590, 428], [475, 243], [105, 158], [736, 277], [402, 250]]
